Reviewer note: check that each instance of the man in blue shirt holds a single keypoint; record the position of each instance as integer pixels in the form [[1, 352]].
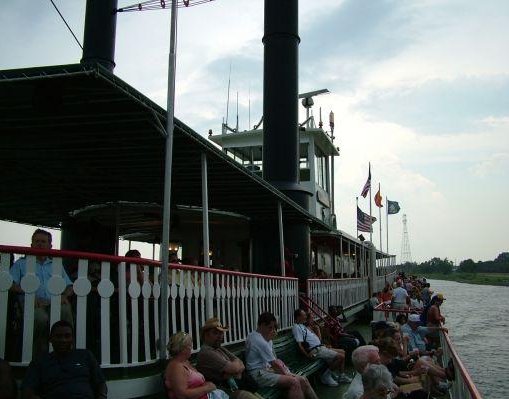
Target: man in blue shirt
[[417, 334], [41, 239]]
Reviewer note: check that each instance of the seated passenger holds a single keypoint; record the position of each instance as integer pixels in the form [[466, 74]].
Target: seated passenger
[[417, 334], [348, 340], [377, 383], [219, 365], [362, 357], [181, 379], [311, 346], [8, 386], [66, 372], [41, 239], [415, 301], [265, 368]]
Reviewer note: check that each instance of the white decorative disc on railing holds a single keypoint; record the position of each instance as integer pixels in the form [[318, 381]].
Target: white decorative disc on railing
[[134, 290], [82, 286], [56, 285], [156, 289], [5, 281], [146, 290], [105, 288], [173, 291], [29, 283]]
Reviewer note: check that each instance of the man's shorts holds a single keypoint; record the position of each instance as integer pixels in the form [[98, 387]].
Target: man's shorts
[[265, 377], [324, 353]]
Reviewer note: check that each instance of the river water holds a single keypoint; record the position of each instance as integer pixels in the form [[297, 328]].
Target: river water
[[477, 317]]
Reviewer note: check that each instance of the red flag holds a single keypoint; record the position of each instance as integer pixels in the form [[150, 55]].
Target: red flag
[[378, 199]]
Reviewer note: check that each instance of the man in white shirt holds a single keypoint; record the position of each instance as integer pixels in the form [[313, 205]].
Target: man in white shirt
[[399, 297], [311, 346], [266, 369]]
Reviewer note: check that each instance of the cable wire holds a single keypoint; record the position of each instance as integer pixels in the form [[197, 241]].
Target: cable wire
[[66, 24]]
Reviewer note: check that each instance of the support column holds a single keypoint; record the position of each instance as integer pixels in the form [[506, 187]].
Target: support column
[[206, 238]]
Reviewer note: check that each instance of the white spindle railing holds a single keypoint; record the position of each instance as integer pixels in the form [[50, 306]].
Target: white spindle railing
[[344, 292], [118, 318]]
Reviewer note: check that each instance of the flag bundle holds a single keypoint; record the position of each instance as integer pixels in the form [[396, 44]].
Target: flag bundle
[[364, 221]]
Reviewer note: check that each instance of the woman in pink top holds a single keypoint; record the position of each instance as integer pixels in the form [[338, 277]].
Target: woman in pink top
[[181, 379]]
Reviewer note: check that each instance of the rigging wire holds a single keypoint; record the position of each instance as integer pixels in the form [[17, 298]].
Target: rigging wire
[[66, 24], [160, 4]]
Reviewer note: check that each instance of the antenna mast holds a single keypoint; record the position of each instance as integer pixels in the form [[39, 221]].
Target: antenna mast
[[228, 96], [406, 255], [237, 124]]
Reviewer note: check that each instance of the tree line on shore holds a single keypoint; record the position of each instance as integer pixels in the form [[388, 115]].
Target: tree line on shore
[[445, 266]]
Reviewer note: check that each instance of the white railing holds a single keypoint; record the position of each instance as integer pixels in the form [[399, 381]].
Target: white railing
[[462, 386], [344, 292], [116, 314], [380, 281]]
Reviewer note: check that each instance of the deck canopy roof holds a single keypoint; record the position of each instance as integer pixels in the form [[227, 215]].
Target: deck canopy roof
[[75, 136]]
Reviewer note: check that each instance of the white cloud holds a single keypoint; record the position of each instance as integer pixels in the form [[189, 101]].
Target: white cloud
[[497, 163]]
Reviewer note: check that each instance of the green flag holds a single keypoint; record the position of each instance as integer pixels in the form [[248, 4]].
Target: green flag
[[392, 207]]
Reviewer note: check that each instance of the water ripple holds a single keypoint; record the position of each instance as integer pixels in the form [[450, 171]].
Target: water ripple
[[478, 328]]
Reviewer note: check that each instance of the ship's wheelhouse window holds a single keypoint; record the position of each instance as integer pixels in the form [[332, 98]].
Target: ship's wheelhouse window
[[321, 169]]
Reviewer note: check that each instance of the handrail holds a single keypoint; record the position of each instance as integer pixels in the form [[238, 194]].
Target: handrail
[[118, 259], [465, 376], [382, 307]]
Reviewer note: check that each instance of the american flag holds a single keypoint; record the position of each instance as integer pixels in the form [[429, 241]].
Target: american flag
[[364, 221], [367, 186]]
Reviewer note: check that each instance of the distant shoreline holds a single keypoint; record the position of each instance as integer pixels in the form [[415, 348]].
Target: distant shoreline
[[498, 279]]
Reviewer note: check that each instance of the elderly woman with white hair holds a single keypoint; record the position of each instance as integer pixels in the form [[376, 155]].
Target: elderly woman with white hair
[[362, 357], [181, 379], [377, 382]]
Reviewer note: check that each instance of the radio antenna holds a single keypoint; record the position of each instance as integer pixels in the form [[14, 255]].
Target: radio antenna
[[237, 124], [228, 96]]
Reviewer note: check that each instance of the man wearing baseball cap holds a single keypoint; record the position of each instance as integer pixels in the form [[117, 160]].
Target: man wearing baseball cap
[[218, 364], [416, 334]]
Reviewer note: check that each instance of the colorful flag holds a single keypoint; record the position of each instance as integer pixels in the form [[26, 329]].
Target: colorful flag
[[392, 207], [367, 186], [378, 199], [364, 221]]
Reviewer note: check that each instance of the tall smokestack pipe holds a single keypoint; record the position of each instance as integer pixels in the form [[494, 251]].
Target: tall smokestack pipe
[[280, 119], [99, 38], [280, 93]]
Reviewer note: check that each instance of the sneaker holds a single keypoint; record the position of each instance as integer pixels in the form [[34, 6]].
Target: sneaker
[[327, 379], [344, 379]]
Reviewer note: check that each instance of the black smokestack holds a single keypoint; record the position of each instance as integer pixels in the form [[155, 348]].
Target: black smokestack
[[280, 119], [99, 38], [280, 93]]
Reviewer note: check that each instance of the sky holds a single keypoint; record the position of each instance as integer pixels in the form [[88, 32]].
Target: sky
[[419, 88]]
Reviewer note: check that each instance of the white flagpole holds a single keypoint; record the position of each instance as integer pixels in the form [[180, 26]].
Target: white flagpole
[[370, 214], [357, 217], [387, 222], [380, 217]]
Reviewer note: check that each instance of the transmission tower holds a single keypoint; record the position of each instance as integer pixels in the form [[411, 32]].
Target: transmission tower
[[406, 255]]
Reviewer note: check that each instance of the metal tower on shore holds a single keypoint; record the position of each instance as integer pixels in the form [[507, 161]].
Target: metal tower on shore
[[406, 255]]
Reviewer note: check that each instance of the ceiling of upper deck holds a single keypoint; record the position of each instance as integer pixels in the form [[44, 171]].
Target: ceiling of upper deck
[[73, 137]]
